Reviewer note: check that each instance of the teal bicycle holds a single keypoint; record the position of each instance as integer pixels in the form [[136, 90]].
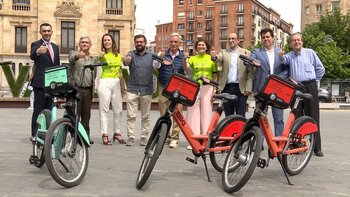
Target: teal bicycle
[[66, 142]]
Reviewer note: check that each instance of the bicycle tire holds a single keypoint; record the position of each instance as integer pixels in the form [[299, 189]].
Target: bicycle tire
[[242, 160], [39, 148], [66, 169], [229, 128], [151, 156], [295, 163]]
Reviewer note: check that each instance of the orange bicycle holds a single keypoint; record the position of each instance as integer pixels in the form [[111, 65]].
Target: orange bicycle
[[219, 137], [293, 149]]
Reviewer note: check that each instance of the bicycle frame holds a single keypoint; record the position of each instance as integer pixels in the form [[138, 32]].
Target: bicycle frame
[[42, 121]]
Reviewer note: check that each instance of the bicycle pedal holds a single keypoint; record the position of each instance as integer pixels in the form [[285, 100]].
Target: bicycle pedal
[[194, 161], [33, 159], [261, 163]]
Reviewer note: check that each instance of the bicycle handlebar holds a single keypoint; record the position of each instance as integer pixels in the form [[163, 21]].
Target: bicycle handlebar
[[207, 81], [5, 63], [250, 61], [161, 60], [95, 65]]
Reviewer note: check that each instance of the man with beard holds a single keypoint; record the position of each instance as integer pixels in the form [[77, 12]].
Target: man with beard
[[139, 88]]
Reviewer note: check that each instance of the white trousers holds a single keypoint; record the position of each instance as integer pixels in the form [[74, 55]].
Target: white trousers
[[109, 92]]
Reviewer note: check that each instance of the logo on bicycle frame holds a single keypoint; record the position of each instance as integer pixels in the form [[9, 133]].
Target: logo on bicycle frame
[[181, 118]]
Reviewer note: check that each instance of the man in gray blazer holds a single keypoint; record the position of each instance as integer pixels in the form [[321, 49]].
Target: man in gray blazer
[[235, 78], [271, 64]]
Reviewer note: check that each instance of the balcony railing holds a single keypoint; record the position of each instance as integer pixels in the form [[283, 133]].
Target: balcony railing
[[114, 11], [21, 7]]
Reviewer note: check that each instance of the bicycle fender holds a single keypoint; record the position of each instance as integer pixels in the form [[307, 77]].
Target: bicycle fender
[[81, 131], [230, 126], [84, 134], [156, 129], [304, 125]]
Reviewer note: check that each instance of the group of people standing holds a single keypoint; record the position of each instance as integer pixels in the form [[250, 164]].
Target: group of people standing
[[235, 78]]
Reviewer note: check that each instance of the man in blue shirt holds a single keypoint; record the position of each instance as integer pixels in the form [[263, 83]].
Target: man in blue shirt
[[307, 68]]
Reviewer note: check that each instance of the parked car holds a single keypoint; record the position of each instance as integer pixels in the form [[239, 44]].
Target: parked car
[[324, 96]]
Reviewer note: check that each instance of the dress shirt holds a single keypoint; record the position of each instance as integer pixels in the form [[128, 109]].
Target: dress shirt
[[271, 56], [233, 69], [304, 66]]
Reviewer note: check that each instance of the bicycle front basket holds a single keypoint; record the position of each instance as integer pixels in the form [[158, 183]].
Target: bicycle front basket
[[57, 81], [277, 92], [181, 89]]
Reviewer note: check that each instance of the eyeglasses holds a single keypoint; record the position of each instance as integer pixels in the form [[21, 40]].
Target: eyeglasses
[[85, 42]]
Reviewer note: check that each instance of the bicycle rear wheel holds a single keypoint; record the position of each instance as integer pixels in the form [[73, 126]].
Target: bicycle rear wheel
[[241, 160], [43, 123], [151, 155], [231, 127], [66, 166], [295, 163]]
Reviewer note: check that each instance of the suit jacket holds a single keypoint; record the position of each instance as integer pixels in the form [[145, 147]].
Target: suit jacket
[[41, 62], [245, 74], [260, 76]]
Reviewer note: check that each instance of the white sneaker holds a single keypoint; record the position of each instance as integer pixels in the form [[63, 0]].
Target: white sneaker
[[189, 147], [173, 143], [30, 108]]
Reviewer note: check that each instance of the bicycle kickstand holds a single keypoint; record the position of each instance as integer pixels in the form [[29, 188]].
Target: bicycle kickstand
[[284, 170], [205, 165]]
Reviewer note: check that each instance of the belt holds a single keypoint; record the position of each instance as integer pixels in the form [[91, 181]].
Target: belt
[[85, 88], [308, 82]]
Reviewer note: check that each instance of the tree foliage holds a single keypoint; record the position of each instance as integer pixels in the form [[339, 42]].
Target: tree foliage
[[330, 39]]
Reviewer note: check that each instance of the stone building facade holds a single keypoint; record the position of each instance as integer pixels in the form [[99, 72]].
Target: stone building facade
[[70, 19]]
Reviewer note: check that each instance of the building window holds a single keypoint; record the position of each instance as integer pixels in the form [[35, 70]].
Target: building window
[[208, 14], [67, 37], [199, 25], [190, 15], [223, 45], [21, 5], [223, 34], [181, 14], [116, 35], [240, 34], [335, 6], [240, 7], [21, 40], [200, 13], [223, 9], [181, 2], [200, 2], [223, 21], [209, 38], [181, 26], [114, 7], [240, 20], [318, 8], [208, 25]]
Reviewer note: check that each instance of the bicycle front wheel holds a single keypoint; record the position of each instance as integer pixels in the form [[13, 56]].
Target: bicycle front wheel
[[66, 164], [241, 160], [295, 163], [230, 127], [151, 156]]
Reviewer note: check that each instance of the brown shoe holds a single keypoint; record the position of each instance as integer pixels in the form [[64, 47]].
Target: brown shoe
[[119, 138], [143, 141], [130, 142], [105, 140]]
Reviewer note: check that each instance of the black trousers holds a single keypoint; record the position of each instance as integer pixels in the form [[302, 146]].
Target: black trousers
[[84, 108], [312, 108], [239, 106], [40, 103]]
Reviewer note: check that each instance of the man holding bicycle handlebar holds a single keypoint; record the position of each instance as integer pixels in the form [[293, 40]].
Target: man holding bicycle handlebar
[[307, 68], [270, 64], [77, 60]]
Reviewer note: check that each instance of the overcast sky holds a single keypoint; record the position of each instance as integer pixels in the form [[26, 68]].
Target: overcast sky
[[149, 12]]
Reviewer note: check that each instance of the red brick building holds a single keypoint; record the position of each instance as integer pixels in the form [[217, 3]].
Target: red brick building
[[213, 20]]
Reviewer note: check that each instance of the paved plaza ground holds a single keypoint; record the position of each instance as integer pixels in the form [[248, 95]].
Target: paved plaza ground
[[113, 169]]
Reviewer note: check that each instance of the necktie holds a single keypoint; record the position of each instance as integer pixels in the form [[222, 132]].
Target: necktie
[[49, 47]]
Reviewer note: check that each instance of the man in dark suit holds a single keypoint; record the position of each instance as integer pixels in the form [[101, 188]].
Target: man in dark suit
[[44, 54], [271, 64]]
